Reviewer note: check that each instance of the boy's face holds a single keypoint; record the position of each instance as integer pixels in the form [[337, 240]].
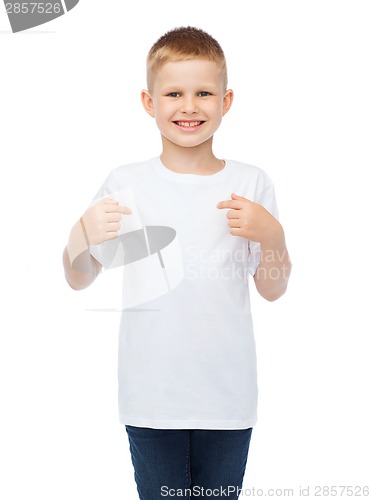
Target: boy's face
[[188, 101]]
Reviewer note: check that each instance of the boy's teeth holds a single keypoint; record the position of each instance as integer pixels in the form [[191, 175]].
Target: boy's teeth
[[189, 124]]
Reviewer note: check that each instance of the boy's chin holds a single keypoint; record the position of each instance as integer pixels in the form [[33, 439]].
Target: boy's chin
[[185, 144]]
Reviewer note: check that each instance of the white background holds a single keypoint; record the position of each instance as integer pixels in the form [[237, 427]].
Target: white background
[[70, 112]]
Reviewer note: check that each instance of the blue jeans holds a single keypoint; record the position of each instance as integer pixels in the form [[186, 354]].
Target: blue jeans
[[188, 463]]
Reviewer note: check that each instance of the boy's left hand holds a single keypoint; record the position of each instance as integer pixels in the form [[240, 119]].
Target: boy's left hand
[[250, 220]]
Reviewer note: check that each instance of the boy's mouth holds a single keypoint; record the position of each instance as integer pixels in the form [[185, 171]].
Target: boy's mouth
[[189, 124]]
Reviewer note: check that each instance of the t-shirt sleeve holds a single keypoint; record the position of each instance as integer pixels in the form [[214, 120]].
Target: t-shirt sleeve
[[108, 187], [265, 196]]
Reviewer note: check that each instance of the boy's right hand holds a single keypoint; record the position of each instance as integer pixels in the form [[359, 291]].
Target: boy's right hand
[[102, 221]]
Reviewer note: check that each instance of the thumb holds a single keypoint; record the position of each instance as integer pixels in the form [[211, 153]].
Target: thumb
[[235, 196]]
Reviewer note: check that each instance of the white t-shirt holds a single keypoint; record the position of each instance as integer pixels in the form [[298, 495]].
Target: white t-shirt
[[186, 353]]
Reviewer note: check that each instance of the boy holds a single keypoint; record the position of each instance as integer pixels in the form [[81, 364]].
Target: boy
[[187, 363]]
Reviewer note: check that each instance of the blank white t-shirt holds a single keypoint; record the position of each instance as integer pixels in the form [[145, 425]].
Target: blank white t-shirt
[[186, 351]]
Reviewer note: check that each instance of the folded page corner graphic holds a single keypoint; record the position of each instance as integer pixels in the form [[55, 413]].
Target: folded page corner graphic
[[70, 4], [26, 15]]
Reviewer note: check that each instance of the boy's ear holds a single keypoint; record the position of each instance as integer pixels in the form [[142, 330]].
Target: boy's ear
[[147, 102], [227, 101]]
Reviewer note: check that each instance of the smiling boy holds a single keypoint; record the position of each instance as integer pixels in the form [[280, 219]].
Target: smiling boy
[[187, 362], [188, 111]]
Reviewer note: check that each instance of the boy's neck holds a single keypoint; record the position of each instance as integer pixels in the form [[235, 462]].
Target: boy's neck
[[194, 160]]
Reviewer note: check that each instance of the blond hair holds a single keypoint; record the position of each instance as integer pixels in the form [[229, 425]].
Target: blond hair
[[181, 44]]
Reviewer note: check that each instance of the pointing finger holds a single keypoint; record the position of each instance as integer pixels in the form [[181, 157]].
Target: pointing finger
[[124, 210], [235, 202], [228, 204], [115, 207]]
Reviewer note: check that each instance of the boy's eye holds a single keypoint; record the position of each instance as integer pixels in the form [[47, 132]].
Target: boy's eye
[[203, 93]]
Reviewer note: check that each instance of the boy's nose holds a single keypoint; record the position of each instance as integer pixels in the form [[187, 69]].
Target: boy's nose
[[189, 106]]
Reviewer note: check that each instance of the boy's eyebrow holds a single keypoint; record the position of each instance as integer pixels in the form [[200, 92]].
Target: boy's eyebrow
[[202, 86]]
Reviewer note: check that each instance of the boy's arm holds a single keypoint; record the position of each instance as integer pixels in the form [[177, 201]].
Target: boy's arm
[[273, 272], [80, 267], [252, 221], [101, 222]]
